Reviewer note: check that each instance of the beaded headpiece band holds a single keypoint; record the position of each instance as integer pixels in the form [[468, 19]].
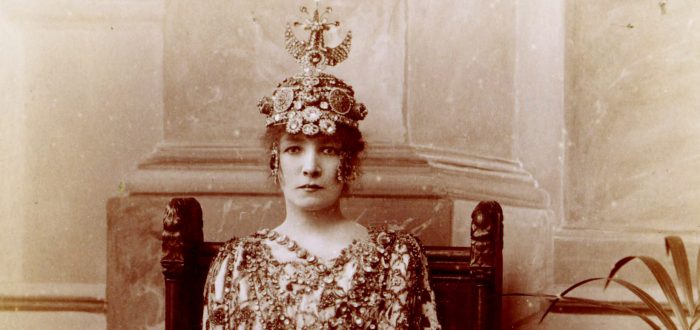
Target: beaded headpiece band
[[313, 101]]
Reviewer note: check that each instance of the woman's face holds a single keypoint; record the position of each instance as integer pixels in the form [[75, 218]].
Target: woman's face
[[309, 169]]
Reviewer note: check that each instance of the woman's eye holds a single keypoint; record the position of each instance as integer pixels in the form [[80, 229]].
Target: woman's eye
[[292, 149], [329, 150]]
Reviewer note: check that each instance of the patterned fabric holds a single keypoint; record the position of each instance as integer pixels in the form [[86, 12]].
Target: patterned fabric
[[376, 283]]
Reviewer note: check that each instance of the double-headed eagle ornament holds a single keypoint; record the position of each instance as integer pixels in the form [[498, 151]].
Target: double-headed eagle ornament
[[313, 54]]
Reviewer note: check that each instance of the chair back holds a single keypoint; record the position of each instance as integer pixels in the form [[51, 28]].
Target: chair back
[[467, 280]]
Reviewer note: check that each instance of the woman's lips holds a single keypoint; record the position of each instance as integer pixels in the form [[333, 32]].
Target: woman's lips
[[310, 187]]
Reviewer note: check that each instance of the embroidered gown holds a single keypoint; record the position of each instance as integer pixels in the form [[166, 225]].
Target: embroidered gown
[[380, 282]]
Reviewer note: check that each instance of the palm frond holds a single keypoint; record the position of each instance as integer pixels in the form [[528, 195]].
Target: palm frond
[[687, 313], [654, 306], [697, 282], [664, 281], [696, 316], [616, 307], [675, 246], [649, 301], [591, 302], [563, 293]]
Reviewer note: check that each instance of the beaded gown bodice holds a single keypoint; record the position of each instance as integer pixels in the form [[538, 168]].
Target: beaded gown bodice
[[380, 282]]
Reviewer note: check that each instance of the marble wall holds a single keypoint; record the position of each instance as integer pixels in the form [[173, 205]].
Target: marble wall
[[216, 77], [409, 63], [631, 151], [460, 72], [633, 116], [81, 106], [632, 123], [11, 67]]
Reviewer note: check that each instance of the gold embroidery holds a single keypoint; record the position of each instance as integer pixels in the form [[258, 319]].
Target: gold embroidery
[[377, 283]]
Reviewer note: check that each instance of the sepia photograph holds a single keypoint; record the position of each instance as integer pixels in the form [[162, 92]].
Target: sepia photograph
[[349, 164]]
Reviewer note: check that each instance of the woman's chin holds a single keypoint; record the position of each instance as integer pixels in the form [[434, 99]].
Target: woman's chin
[[317, 200]]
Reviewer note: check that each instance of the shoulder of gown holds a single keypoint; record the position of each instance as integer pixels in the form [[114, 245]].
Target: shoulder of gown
[[222, 271], [409, 279]]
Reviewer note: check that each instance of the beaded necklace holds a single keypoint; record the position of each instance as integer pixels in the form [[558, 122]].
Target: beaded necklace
[[319, 276]]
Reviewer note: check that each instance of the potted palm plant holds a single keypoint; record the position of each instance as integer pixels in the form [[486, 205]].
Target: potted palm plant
[[684, 312]]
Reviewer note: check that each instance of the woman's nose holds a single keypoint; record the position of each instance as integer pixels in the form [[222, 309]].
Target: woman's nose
[[311, 167]]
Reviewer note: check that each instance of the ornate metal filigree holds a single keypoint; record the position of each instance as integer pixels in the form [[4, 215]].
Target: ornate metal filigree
[[313, 54], [313, 102]]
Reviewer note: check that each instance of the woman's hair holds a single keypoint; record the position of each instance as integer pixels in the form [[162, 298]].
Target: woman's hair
[[351, 144]]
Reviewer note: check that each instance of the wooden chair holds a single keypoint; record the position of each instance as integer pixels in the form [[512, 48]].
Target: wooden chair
[[466, 280]]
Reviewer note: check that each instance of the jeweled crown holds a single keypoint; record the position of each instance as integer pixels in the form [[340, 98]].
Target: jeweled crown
[[313, 101]]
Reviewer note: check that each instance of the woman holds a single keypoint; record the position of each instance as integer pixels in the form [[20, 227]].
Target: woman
[[318, 269]]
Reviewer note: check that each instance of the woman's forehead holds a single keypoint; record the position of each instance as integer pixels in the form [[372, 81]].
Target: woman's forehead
[[298, 138]]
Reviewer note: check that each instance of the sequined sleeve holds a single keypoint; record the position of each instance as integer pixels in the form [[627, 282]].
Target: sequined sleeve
[[426, 314], [214, 316], [413, 303]]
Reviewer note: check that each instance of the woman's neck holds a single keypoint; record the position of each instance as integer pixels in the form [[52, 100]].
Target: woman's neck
[[313, 221], [324, 233]]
